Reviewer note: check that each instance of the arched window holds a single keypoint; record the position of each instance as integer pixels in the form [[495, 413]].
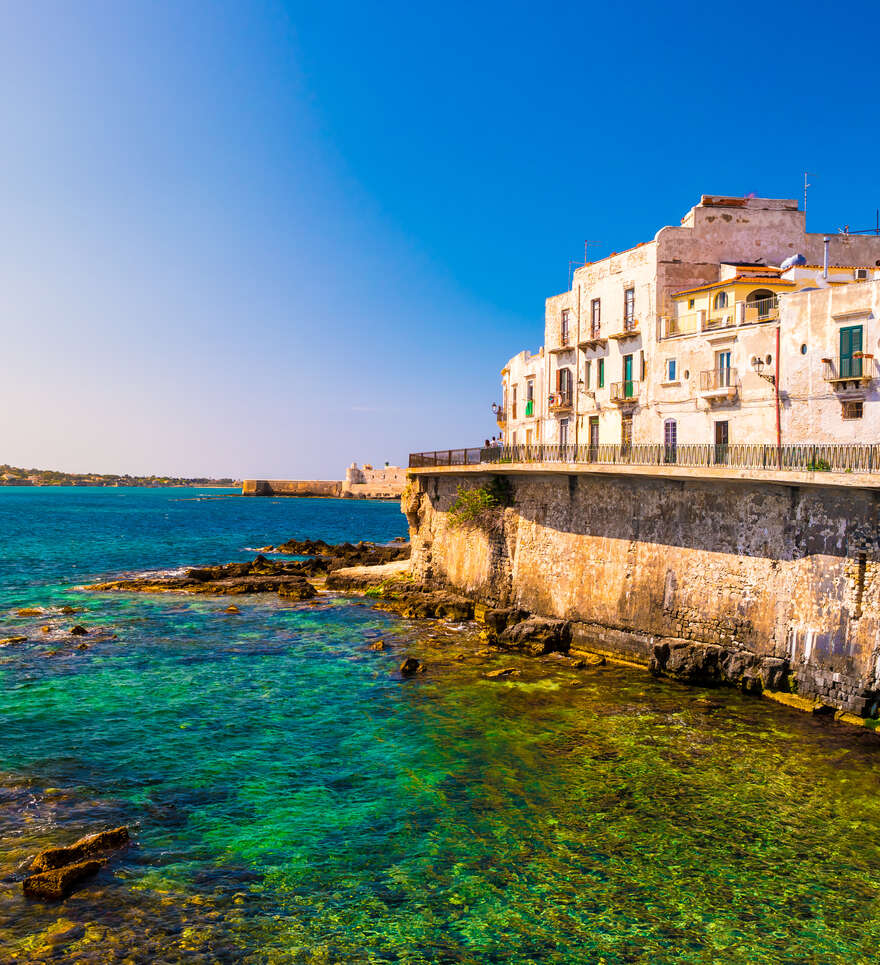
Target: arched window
[[721, 300]]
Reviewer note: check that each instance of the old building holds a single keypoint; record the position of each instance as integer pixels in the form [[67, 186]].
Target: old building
[[675, 339]]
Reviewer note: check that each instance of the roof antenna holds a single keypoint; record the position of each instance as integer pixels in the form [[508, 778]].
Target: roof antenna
[[580, 264], [806, 185]]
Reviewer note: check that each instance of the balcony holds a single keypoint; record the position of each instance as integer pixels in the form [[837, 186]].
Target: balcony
[[594, 339], [762, 310], [630, 330], [722, 320], [500, 416], [688, 323], [560, 402], [625, 393], [718, 385], [565, 343], [849, 373]]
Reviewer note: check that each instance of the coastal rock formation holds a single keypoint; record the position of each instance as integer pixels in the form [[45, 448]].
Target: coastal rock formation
[[259, 576], [57, 884], [538, 636], [411, 666], [339, 555], [87, 847], [55, 871], [707, 663]]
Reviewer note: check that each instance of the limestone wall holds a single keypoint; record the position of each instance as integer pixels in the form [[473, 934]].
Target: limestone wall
[[291, 487], [774, 570]]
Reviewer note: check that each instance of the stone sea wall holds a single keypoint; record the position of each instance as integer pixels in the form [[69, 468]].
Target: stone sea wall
[[291, 487], [763, 585]]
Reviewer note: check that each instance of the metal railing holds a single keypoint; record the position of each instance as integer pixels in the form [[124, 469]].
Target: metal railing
[[627, 391], [560, 400], [713, 380], [761, 310], [801, 457], [685, 324], [852, 367], [725, 320]]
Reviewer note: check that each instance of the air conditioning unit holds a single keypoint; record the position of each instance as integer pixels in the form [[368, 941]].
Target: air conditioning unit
[[861, 274]]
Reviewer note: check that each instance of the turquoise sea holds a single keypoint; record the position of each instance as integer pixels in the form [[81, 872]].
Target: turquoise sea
[[295, 800]]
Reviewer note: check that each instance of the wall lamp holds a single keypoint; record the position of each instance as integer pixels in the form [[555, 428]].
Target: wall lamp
[[758, 366]]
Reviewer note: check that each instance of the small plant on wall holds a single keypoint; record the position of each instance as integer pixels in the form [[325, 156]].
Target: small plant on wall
[[481, 506]]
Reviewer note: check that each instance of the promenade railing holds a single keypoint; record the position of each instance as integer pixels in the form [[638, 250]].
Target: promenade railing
[[801, 457]]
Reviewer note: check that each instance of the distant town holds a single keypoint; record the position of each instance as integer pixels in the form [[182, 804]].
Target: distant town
[[14, 476]]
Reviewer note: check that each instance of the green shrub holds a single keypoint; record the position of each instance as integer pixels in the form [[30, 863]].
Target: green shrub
[[479, 506]]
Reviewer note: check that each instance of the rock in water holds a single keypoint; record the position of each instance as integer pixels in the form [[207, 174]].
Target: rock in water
[[538, 635], [232, 608], [59, 882], [411, 666], [378, 645], [78, 631], [297, 590], [8, 640], [90, 845], [503, 672]]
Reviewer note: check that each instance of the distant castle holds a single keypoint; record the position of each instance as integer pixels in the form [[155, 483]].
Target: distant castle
[[369, 483]]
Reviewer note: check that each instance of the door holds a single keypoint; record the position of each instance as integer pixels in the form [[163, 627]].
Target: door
[[563, 432], [850, 344], [627, 376], [722, 369], [670, 440], [530, 398], [722, 440], [594, 437]]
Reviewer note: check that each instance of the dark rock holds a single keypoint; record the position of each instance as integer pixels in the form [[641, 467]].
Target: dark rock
[[78, 631], [411, 666], [822, 709], [57, 884], [377, 645], [82, 646], [232, 608], [297, 590], [775, 671], [29, 611], [538, 635], [454, 608], [87, 847], [8, 640], [68, 610]]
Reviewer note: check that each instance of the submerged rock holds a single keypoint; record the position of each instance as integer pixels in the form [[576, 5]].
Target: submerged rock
[[86, 847], [411, 666], [78, 631], [232, 608], [297, 590], [57, 884], [6, 641], [29, 611], [377, 645], [502, 672]]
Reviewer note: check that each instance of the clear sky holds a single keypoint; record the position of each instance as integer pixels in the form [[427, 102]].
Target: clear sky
[[267, 239]]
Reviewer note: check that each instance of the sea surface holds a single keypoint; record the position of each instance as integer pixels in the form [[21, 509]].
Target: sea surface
[[294, 800]]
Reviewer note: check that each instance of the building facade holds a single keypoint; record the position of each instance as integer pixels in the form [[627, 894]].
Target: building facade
[[690, 337]]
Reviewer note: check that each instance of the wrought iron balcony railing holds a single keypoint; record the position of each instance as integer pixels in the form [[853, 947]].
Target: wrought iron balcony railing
[[857, 367], [803, 457], [722, 381], [622, 392]]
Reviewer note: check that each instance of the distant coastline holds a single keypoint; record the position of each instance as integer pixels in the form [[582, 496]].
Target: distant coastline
[[15, 476]]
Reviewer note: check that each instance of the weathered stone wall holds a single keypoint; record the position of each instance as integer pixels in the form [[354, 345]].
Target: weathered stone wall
[[777, 572], [291, 487]]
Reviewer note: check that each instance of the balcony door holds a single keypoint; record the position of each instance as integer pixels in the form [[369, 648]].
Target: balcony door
[[594, 436], [850, 345], [722, 441], [627, 376], [722, 369], [670, 440]]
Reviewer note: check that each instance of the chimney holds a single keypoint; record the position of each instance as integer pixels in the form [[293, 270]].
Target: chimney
[[825, 269]]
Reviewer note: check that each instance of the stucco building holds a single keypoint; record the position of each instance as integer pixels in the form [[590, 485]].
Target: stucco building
[[675, 340]]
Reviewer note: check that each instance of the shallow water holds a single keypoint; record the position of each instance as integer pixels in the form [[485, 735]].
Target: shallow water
[[296, 801]]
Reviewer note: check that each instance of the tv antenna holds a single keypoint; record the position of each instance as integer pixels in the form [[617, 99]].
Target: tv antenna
[[574, 263], [806, 185]]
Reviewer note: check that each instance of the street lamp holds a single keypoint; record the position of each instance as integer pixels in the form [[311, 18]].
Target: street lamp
[[758, 366]]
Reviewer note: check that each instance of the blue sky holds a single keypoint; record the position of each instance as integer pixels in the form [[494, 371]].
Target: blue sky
[[267, 238]]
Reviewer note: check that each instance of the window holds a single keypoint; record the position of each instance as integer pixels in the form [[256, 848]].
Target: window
[[563, 432], [587, 367], [594, 433], [530, 390], [626, 431], [595, 318], [670, 439], [722, 439], [565, 316], [721, 300], [851, 352], [629, 304], [628, 386], [853, 409], [670, 370], [513, 404], [690, 303], [642, 365], [601, 374], [564, 383]]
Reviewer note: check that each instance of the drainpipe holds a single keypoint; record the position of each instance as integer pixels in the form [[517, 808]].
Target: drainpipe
[[776, 392], [825, 269], [577, 371]]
